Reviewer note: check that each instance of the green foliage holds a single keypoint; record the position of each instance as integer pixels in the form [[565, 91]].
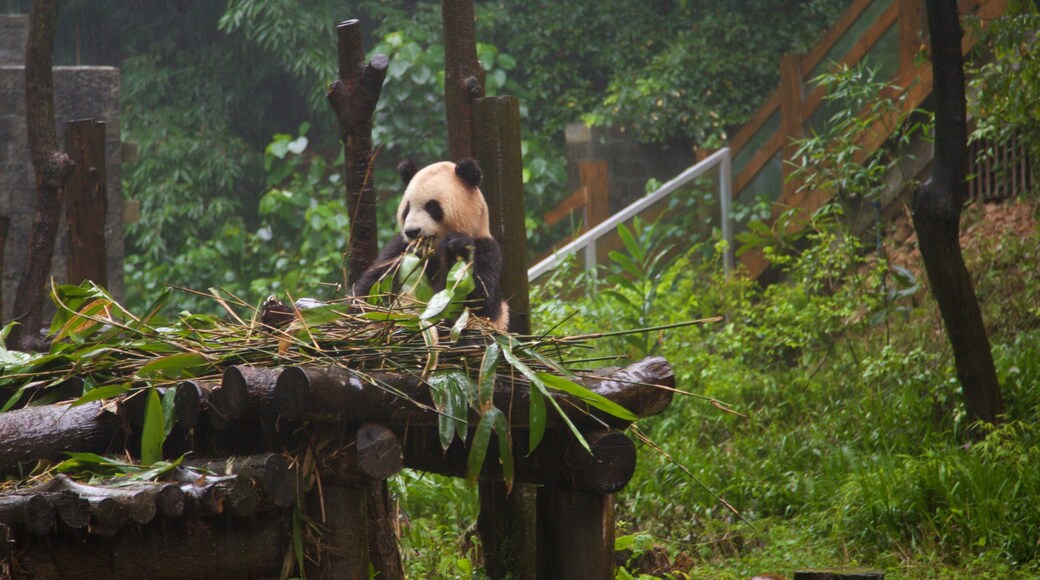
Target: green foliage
[[837, 158], [710, 68], [297, 245], [1005, 80]]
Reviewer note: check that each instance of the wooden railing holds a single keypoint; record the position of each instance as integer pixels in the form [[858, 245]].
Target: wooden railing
[[763, 145]]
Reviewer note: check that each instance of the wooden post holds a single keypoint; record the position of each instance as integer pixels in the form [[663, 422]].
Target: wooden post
[[594, 176], [86, 202], [497, 121], [463, 75], [506, 522], [575, 535], [791, 97], [353, 98], [343, 550], [5, 225]]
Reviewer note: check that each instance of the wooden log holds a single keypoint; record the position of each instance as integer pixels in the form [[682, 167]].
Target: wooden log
[[334, 393], [277, 477], [214, 494], [5, 226], [578, 542], [86, 203], [34, 513], [242, 406], [45, 432], [349, 455], [137, 501], [231, 548], [186, 400], [6, 541], [107, 516], [559, 461]]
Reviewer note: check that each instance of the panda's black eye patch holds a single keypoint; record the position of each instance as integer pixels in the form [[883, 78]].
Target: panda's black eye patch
[[433, 207], [404, 214]]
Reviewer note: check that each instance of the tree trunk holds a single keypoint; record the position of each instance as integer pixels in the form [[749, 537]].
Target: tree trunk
[[353, 98], [463, 75], [936, 213], [52, 168]]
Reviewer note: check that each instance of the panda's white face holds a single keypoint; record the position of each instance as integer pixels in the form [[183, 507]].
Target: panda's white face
[[436, 201]]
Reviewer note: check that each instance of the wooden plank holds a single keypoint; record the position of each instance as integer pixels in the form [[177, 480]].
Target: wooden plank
[[855, 54], [573, 202], [748, 129], [791, 114], [86, 203], [834, 33], [756, 163]]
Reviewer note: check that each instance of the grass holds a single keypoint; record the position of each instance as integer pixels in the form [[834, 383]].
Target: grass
[[852, 450]]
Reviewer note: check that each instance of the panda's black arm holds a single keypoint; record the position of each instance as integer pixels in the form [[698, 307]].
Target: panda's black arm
[[393, 249], [487, 267]]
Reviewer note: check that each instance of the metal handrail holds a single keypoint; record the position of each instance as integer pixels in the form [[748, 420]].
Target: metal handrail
[[589, 238]]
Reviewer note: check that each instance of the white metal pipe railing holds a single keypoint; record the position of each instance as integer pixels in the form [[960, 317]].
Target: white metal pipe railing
[[587, 241]]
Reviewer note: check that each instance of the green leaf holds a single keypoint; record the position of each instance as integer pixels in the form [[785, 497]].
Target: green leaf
[[536, 419], [323, 314], [630, 242], [168, 411], [505, 445], [590, 397], [486, 379], [437, 304], [460, 278], [175, 366], [478, 447], [106, 392], [448, 389], [152, 432], [460, 325]]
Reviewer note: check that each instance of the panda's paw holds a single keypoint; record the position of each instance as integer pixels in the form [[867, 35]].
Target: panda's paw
[[455, 245]]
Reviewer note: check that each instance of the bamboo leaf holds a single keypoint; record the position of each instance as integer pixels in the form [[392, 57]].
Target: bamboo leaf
[[592, 398], [536, 419], [437, 304], [478, 448], [152, 432], [168, 411], [486, 379], [630, 242], [175, 366], [505, 446], [460, 325], [106, 392]]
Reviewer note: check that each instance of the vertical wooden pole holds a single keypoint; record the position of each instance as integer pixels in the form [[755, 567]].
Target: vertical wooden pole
[[576, 536], [791, 97], [343, 551], [497, 123], [463, 75], [5, 225], [506, 523], [86, 202], [594, 176], [353, 98]]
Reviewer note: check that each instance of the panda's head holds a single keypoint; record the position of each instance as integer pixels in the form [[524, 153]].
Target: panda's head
[[442, 198]]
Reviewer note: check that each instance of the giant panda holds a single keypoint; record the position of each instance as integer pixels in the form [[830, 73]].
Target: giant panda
[[443, 203]]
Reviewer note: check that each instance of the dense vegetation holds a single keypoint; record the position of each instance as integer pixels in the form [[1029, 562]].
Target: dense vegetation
[[208, 85], [849, 445]]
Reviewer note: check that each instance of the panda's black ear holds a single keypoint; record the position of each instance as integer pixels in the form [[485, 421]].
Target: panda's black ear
[[407, 170], [468, 170]]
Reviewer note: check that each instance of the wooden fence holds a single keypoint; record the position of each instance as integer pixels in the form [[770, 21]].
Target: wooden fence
[[886, 33]]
